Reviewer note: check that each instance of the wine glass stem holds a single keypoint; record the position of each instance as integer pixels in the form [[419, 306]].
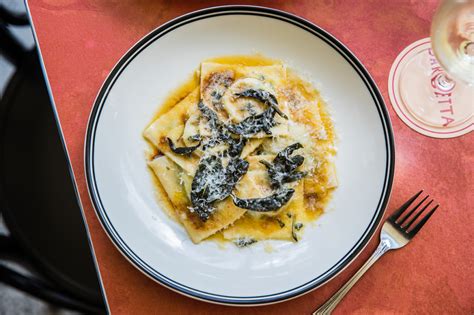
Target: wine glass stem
[[444, 82]]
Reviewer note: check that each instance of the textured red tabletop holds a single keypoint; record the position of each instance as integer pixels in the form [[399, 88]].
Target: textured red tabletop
[[81, 40]]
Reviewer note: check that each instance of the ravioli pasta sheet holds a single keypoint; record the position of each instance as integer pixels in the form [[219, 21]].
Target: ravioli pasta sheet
[[247, 153]]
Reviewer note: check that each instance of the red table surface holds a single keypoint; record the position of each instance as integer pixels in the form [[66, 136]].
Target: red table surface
[[81, 40]]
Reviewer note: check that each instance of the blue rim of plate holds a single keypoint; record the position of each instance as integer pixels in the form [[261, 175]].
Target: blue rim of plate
[[265, 13]]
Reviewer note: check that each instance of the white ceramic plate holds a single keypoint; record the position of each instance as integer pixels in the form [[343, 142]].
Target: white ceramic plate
[[122, 191]]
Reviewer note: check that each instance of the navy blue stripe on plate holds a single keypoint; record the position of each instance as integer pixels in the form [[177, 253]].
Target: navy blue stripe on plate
[[264, 13]]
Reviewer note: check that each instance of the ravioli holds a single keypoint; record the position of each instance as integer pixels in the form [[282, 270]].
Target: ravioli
[[171, 125], [174, 181], [277, 225], [226, 213], [220, 82], [249, 152], [168, 173]]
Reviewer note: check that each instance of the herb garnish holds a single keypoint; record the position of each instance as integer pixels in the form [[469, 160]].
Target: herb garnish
[[213, 182], [182, 150], [262, 122], [244, 241], [263, 96], [293, 232], [254, 124], [281, 223], [298, 226], [283, 168], [265, 204]]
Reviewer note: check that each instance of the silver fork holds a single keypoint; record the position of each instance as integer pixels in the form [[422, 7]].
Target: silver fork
[[395, 234]]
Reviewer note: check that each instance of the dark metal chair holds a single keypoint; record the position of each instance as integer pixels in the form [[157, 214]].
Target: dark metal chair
[[38, 199]]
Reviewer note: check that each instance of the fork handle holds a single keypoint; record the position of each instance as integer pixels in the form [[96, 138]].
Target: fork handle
[[331, 304]]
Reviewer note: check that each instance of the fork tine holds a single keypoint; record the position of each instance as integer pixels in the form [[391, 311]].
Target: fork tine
[[400, 210], [407, 226], [413, 210], [422, 222]]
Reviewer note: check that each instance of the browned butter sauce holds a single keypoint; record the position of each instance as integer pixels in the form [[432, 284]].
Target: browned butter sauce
[[314, 204]]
